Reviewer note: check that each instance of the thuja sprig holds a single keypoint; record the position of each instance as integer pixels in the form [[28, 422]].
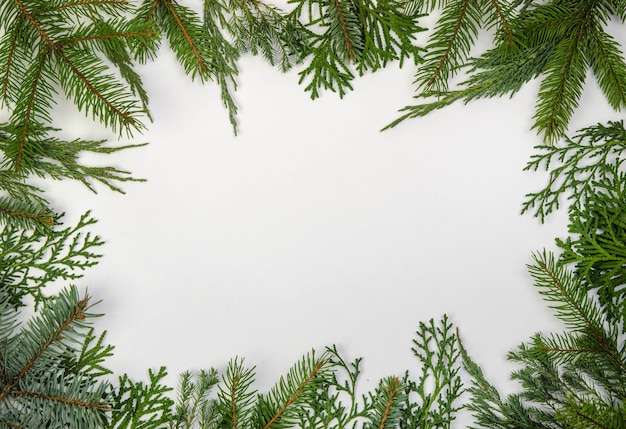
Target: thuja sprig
[[32, 259], [50, 368], [576, 167], [139, 405]]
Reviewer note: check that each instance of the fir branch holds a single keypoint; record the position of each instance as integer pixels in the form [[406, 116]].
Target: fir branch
[[187, 36], [194, 407], [387, 402], [559, 41], [235, 398], [278, 408], [226, 70], [37, 390], [570, 300], [25, 213]]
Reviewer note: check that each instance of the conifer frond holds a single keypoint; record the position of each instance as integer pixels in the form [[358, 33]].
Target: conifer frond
[[561, 87], [85, 79], [235, 397], [387, 404], [263, 29], [139, 405], [439, 385], [485, 403], [225, 61], [336, 403], [187, 36], [30, 260], [39, 388], [566, 295], [194, 407], [582, 162], [25, 213], [559, 41], [449, 45], [598, 250], [361, 34], [279, 407], [388, 35]]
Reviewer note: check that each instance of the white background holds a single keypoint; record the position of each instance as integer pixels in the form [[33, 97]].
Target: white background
[[313, 228]]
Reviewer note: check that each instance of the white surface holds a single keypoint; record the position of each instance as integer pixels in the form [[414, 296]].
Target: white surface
[[313, 228]]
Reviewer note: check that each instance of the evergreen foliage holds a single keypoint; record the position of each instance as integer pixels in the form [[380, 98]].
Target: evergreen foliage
[[32, 259], [588, 169], [556, 41], [52, 368]]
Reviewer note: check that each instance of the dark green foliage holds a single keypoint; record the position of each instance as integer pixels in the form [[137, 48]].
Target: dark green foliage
[[439, 386], [50, 368], [588, 169], [75, 48], [559, 41], [575, 379], [32, 259], [321, 392], [365, 33], [138, 405]]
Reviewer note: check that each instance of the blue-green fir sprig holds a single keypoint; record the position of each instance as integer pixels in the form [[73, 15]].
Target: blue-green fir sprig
[[49, 375]]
